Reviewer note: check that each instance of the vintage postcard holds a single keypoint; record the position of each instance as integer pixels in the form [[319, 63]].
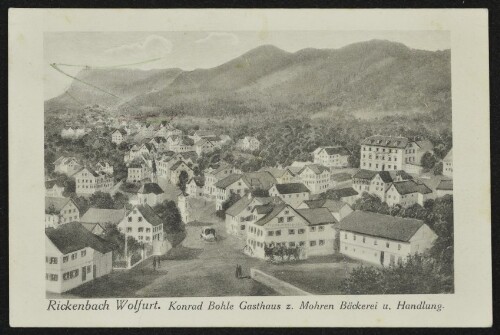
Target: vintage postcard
[[249, 168]]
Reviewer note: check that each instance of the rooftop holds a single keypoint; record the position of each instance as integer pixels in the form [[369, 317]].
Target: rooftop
[[73, 236], [101, 215]]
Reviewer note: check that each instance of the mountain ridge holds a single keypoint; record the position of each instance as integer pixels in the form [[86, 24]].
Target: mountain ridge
[[375, 75]]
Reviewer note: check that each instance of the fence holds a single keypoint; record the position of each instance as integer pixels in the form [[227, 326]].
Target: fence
[[279, 286]]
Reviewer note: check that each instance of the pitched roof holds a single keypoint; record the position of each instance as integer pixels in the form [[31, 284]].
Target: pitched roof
[[101, 215], [386, 176], [411, 186], [50, 183], [57, 203], [291, 188], [229, 180], [331, 205], [386, 141], [345, 192], [239, 206], [425, 145], [317, 216], [340, 177], [121, 131], [72, 236], [259, 179], [200, 182], [148, 188], [337, 150], [271, 211], [149, 214], [365, 174], [177, 164], [316, 168], [380, 225], [445, 185], [91, 226]]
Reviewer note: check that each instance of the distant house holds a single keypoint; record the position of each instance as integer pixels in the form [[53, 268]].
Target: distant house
[[339, 209], [262, 180], [282, 176], [137, 171], [292, 193], [234, 183], [316, 177], [195, 187], [88, 181], [407, 193], [104, 167], [448, 164], [178, 143], [213, 175], [159, 142], [176, 170], [377, 182], [53, 188], [204, 145], [103, 216], [347, 195], [151, 194], [73, 132], [383, 239], [74, 256], [67, 165], [248, 143], [118, 136], [59, 211], [445, 187], [199, 134], [332, 157], [143, 224], [338, 179]]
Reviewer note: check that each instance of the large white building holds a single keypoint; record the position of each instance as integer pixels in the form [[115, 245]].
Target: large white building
[[74, 256], [234, 183], [383, 239], [316, 177], [143, 224], [381, 153], [89, 181]]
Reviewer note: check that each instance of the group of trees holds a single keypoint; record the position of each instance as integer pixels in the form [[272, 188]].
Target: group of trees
[[431, 272], [281, 252], [170, 215]]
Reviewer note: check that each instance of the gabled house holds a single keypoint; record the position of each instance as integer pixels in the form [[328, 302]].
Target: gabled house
[[234, 183], [316, 177], [339, 209], [204, 145], [102, 217], [67, 165], [143, 224], [195, 187], [75, 256], [202, 133], [159, 142], [346, 194], [383, 239], [104, 167], [407, 193], [118, 136], [151, 194], [291, 193], [332, 157], [445, 187], [59, 211], [248, 143], [377, 182], [177, 168], [178, 143], [282, 176], [88, 181], [53, 188], [213, 175]]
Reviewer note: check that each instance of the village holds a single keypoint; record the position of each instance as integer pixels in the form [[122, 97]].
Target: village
[[162, 226]]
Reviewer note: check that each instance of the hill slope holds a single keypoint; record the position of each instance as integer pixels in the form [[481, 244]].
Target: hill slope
[[375, 76]]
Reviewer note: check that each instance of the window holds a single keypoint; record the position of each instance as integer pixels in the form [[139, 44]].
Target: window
[[65, 259], [354, 237], [270, 233], [364, 239], [280, 220], [139, 219], [292, 244], [399, 246], [321, 228], [312, 243], [129, 219], [53, 260], [70, 274], [129, 229], [278, 232], [291, 231], [242, 227], [312, 229], [345, 236], [289, 219], [301, 231], [83, 253], [74, 256], [148, 230], [321, 242], [375, 242], [140, 237], [140, 229], [51, 277], [302, 243], [387, 244]]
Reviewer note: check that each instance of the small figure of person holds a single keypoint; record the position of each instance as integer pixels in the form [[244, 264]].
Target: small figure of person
[[240, 271], [154, 263], [159, 261]]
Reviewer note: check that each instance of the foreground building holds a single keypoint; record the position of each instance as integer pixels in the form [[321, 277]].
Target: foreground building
[[383, 239], [143, 224], [75, 256]]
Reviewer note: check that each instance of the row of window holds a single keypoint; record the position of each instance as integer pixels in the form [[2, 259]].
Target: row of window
[[375, 242], [382, 157], [290, 244], [389, 167], [383, 149]]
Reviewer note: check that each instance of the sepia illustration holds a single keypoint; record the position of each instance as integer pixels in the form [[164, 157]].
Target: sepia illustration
[[229, 163]]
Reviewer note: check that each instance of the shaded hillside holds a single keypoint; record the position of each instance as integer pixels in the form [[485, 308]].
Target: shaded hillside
[[375, 76]]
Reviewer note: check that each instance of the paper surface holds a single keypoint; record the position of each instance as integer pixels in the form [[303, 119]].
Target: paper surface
[[194, 285]]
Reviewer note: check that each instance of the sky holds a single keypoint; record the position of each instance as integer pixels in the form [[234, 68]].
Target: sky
[[200, 49]]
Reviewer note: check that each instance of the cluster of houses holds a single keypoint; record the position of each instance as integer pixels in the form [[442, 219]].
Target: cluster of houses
[[275, 207], [74, 132]]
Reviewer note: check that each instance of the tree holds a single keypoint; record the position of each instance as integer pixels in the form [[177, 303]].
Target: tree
[[372, 203], [183, 179], [101, 200], [120, 201], [438, 169], [428, 160], [233, 198], [170, 215]]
